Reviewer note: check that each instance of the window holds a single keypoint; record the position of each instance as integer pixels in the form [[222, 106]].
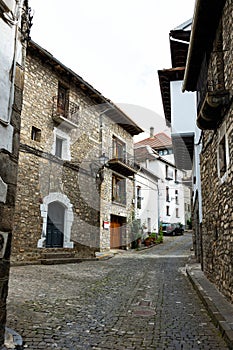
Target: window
[[223, 153], [61, 144], [62, 100], [167, 194], [139, 198], [176, 197], [58, 147], [177, 212], [167, 210], [169, 173], [222, 157], [118, 189], [119, 149], [176, 176], [165, 151], [35, 134]]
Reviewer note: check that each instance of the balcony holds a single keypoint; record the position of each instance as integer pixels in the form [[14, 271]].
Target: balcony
[[212, 110], [212, 98], [124, 165], [65, 116]]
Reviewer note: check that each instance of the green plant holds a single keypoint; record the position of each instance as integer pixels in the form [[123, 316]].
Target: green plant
[[160, 235]]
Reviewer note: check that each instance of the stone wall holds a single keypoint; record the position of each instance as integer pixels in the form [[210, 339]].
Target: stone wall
[[13, 38], [44, 177], [216, 189]]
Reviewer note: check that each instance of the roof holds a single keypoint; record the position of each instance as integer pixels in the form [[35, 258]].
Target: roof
[[102, 103], [158, 141], [207, 14], [142, 153], [165, 77], [179, 43], [184, 26]]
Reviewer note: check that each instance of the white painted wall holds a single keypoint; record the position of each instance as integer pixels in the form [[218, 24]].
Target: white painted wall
[[183, 109], [149, 193]]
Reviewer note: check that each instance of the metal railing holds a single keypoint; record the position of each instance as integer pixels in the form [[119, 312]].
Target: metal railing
[[125, 158], [69, 111]]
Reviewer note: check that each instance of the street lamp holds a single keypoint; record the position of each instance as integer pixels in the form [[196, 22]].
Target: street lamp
[[103, 159]]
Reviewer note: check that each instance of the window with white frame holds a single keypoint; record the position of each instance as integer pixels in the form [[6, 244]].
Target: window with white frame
[[61, 144], [169, 173], [58, 147]]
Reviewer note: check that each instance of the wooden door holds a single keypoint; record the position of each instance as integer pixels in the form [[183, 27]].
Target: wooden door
[[115, 235]]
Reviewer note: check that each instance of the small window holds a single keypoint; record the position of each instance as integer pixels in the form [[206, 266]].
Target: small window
[[222, 156], [167, 194], [36, 134], [167, 210], [139, 198], [169, 173], [118, 189], [59, 146], [177, 212]]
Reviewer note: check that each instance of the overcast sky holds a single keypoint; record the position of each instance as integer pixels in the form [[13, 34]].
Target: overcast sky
[[117, 46]]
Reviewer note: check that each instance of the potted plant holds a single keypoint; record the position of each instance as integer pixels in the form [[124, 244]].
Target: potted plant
[[153, 237]]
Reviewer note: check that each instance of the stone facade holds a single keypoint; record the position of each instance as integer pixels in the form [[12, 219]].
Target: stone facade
[[14, 28], [215, 117], [73, 179], [217, 185]]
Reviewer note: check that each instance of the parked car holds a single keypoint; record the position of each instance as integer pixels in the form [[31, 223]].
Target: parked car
[[170, 229]]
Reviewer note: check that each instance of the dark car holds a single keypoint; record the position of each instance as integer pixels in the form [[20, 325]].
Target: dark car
[[172, 229]]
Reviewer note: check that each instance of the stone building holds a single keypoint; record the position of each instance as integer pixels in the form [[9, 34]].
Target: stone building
[[209, 71], [14, 28], [76, 166]]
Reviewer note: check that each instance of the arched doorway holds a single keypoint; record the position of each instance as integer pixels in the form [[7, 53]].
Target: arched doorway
[[55, 225]]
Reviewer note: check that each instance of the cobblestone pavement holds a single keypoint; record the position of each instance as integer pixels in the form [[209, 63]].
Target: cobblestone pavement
[[136, 300]]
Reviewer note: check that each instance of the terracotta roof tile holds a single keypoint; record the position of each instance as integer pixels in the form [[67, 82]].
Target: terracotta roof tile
[[158, 141]]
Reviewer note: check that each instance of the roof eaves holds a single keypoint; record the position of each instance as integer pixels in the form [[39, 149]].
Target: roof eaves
[[122, 118], [202, 36]]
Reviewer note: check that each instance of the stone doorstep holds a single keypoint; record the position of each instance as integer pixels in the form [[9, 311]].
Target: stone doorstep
[[57, 260], [57, 255], [13, 340]]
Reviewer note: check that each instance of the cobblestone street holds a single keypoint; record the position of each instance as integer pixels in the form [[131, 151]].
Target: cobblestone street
[[136, 300]]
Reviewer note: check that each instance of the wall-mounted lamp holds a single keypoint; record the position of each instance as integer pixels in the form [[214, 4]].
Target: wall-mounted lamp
[[103, 159]]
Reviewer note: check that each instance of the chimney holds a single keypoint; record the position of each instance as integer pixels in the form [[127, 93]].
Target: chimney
[[151, 132]]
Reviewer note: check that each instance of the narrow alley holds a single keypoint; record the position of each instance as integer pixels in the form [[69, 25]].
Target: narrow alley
[[136, 300]]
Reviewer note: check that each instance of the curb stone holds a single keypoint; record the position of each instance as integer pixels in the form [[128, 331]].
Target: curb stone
[[219, 309]]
